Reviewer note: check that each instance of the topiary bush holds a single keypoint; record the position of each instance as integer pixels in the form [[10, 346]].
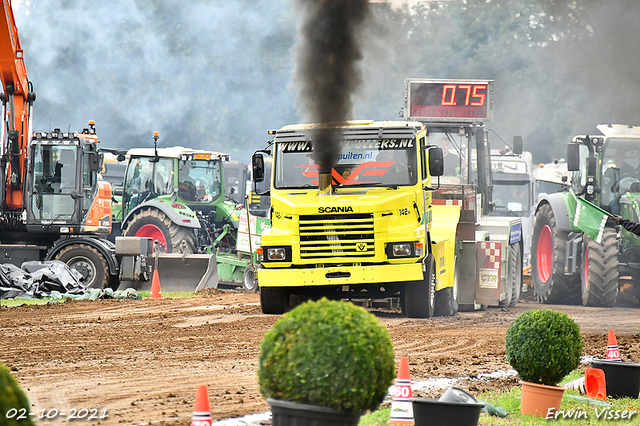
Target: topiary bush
[[14, 406], [327, 353], [543, 346]]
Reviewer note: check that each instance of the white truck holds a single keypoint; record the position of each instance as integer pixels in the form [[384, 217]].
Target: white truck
[[550, 178], [514, 190]]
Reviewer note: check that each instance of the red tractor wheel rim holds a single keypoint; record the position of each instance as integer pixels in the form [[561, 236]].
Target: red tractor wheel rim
[[153, 232], [544, 255]]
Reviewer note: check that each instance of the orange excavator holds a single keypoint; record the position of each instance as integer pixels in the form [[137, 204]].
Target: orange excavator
[[53, 204]]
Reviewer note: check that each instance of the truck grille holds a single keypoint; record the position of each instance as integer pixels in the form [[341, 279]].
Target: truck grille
[[340, 235]]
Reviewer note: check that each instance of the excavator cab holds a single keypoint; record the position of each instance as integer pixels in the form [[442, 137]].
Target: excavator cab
[[63, 192]]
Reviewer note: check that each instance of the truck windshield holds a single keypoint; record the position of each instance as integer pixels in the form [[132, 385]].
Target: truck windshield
[[511, 197], [199, 181], [386, 162]]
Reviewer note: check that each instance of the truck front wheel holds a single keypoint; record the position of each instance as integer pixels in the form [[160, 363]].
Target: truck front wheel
[[88, 262], [419, 297], [274, 300]]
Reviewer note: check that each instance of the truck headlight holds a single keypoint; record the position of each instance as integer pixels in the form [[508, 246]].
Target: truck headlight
[[277, 254], [399, 250]]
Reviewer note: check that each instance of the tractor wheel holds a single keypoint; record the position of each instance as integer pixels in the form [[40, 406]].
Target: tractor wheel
[[89, 262], [420, 296], [515, 272], [548, 254], [600, 270], [447, 298], [274, 300], [155, 224], [249, 279]]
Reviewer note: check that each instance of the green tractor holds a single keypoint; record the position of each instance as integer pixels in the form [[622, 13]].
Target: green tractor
[[188, 202], [568, 266], [176, 196]]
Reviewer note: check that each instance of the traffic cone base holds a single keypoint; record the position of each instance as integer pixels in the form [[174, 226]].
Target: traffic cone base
[[401, 406], [613, 353], [201, 408], [156, 292], [595, 383]]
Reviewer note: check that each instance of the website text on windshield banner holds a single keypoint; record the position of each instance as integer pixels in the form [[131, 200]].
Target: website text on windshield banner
[[379, 144]]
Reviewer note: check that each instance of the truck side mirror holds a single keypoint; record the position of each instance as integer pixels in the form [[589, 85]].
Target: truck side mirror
[[592, 166], [573, 157], [257, 162], [436, 161], [94, 161], [517, 145]]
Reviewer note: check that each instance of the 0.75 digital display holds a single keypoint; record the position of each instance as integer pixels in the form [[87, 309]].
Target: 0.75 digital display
[[448, 100]]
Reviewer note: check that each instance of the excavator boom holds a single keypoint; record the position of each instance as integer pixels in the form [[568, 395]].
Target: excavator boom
[[17, 100]]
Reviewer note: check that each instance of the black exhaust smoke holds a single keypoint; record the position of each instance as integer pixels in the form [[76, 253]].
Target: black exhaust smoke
[[326, 70]]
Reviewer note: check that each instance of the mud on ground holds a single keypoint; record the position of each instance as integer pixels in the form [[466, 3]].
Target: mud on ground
[[142, 360]]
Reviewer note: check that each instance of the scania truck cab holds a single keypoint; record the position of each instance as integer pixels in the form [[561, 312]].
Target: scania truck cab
[[360, 231]]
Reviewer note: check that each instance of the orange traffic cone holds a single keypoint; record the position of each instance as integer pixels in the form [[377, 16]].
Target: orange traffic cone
[[595, 383], [401, 406], [613, 353], [156, 292], [201, 408]]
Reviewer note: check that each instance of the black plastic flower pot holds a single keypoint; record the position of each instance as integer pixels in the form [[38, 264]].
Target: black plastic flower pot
[[431, 412], [287, 413], [622, 378]]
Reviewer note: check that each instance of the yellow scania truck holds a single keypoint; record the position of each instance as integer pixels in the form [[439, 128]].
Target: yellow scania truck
[[362, 231]]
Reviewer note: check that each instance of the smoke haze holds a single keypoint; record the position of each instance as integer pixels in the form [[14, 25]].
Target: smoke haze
[[218, 74], [205, 74], [327, 73]]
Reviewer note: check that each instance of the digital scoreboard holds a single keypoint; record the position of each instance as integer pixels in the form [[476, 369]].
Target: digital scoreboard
[[448, 100]]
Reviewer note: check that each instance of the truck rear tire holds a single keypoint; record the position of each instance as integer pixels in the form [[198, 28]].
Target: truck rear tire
[[274, 300], [89, 262], [515, 272], [447, 298], [548, 256], [153, 223], [600, 270], [419, 297]]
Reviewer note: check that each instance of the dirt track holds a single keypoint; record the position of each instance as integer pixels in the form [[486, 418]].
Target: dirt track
[[143, 360]]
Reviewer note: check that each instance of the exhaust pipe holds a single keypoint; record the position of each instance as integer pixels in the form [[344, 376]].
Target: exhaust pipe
[[324, 184]]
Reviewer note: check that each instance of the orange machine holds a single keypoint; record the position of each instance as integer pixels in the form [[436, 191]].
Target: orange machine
[[53, 204], [17, 104]]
